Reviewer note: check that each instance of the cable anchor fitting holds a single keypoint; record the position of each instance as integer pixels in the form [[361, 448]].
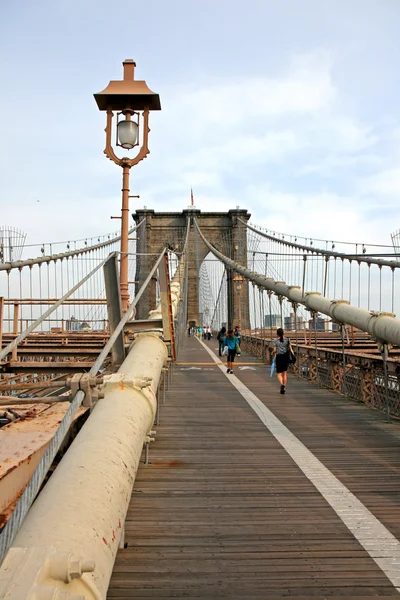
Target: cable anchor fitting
[[88, 384]]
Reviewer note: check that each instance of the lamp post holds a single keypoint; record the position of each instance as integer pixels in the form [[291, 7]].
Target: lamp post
[[238, 279], [131, 101]]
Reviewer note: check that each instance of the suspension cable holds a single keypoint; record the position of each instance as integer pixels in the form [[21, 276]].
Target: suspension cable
[[360, 257], [382, 326], [7, 266]]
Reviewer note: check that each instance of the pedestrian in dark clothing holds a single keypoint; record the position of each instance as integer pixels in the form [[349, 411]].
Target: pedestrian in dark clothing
[[238, 334], [189, 330], [281, 352], [220, 338]]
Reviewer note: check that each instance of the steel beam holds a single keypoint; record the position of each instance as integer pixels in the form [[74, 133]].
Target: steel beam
[[35, 366], [114, 307]]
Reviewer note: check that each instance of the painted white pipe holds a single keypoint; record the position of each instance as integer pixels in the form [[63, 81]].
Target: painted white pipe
[[67, 545]]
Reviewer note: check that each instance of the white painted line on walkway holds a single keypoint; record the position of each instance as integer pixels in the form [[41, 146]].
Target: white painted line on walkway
[[373, 536]]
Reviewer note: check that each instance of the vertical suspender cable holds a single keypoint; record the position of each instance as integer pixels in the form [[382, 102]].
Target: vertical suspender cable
[[316, 347], [384, 352], [40, 291], [393, 291], [369, 286], [304, 274], [31, 290], [342, 278], [325, 275], [334, 279], [350, 268], [344, 385]]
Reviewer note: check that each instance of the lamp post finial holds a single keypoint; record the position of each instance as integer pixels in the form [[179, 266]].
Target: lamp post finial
[[129, 69]]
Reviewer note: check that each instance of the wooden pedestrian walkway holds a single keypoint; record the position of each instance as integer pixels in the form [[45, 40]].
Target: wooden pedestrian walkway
[[250, 494]]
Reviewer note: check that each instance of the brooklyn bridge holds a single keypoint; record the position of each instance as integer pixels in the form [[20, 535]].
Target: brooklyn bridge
[[132, 465]]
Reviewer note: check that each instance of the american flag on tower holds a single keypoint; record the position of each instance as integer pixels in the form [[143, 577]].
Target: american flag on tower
[[191, 196]]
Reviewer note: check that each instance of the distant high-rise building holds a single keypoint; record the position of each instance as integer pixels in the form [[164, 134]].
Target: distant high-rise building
[[75, 325], [272, 321], [319, 324], [291, 323]]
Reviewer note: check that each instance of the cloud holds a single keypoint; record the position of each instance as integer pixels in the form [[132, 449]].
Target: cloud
[[287, 146], [304, 88], [258, 121], [383, 183]]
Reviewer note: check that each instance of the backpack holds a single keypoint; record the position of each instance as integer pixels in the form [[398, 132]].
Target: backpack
[[290, 355]]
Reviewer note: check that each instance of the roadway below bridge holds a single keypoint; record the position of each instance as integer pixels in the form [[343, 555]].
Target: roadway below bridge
[[250, 494]]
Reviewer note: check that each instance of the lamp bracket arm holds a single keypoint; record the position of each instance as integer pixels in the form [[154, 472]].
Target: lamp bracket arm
[[108, 150]]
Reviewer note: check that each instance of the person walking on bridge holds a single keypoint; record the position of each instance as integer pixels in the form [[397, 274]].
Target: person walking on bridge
[[221, 340], [238, 337], [238, 334], [230, 341], [282, 350]]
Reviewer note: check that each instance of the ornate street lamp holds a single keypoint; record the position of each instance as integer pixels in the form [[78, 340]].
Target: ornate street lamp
[[238, 280], [131, 101]]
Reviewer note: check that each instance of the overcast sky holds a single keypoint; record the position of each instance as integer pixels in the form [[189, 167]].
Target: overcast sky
[[288, 108]]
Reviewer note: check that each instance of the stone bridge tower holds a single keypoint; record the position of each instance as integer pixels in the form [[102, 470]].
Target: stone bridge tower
[[167, 229]]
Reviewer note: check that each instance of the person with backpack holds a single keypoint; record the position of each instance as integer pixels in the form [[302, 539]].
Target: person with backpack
[[230, 342], [282, 352], [238, 334], [238, 337], [220, 337]]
